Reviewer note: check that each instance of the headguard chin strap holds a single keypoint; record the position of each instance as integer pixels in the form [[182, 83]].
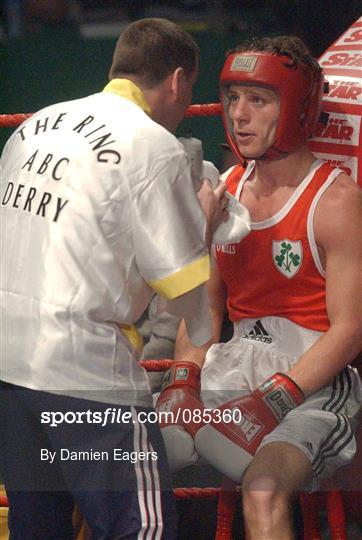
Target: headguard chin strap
[[300, 94]]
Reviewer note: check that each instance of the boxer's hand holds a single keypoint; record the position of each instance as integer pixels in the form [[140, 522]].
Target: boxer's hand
[[180, 397], [214, 204], [231, 445]]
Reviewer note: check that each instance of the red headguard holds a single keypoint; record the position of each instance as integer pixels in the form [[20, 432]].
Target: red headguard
[[300, 93]]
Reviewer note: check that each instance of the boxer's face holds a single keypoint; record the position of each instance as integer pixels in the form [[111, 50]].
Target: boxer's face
[[254, 112]]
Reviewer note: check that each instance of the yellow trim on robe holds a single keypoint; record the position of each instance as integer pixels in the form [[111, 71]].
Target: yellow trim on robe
[[4, 531], [128, 90], [133, 336], [183, 281]]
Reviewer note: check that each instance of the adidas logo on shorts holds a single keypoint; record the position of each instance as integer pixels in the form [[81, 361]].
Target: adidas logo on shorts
[[258, 333], [308, 445]]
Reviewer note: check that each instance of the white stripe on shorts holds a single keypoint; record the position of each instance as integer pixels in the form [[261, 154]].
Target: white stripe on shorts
[[148, 485]]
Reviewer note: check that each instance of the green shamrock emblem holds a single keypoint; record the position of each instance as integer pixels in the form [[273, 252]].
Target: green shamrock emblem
[[287, 258]]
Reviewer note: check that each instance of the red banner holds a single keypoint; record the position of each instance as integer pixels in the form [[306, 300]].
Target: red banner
[[340, 141]]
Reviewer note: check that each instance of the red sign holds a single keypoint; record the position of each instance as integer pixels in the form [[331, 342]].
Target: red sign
[[340, 141]]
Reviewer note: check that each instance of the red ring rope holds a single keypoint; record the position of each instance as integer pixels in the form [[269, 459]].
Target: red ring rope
[[196, 493], [156, 365], [180, 493], [12, 120], [207, 109]]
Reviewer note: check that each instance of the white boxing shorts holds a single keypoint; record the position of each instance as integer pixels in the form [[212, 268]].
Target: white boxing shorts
[[323, 426]]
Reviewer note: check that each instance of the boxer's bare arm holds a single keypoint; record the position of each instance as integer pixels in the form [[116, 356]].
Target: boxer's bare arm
[[217, 297], [337, 226]]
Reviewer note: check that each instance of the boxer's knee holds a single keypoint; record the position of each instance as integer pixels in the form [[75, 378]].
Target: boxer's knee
[[266, 507]]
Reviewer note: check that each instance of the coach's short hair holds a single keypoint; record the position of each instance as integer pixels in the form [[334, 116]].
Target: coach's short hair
[[150, 49]]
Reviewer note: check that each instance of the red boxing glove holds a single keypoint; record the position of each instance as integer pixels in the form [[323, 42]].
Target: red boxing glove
[[176, 407], [230, 441]]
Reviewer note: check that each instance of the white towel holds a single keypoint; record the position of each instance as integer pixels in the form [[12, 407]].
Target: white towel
[[238, 225]]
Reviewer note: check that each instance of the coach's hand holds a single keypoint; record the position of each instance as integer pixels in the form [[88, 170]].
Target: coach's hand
[[180, 398], [214, 204], [230, 445]]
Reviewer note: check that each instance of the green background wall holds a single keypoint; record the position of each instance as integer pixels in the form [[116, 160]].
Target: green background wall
[[58, 64]]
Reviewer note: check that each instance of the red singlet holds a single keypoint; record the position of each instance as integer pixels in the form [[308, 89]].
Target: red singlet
[[275, 270]]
